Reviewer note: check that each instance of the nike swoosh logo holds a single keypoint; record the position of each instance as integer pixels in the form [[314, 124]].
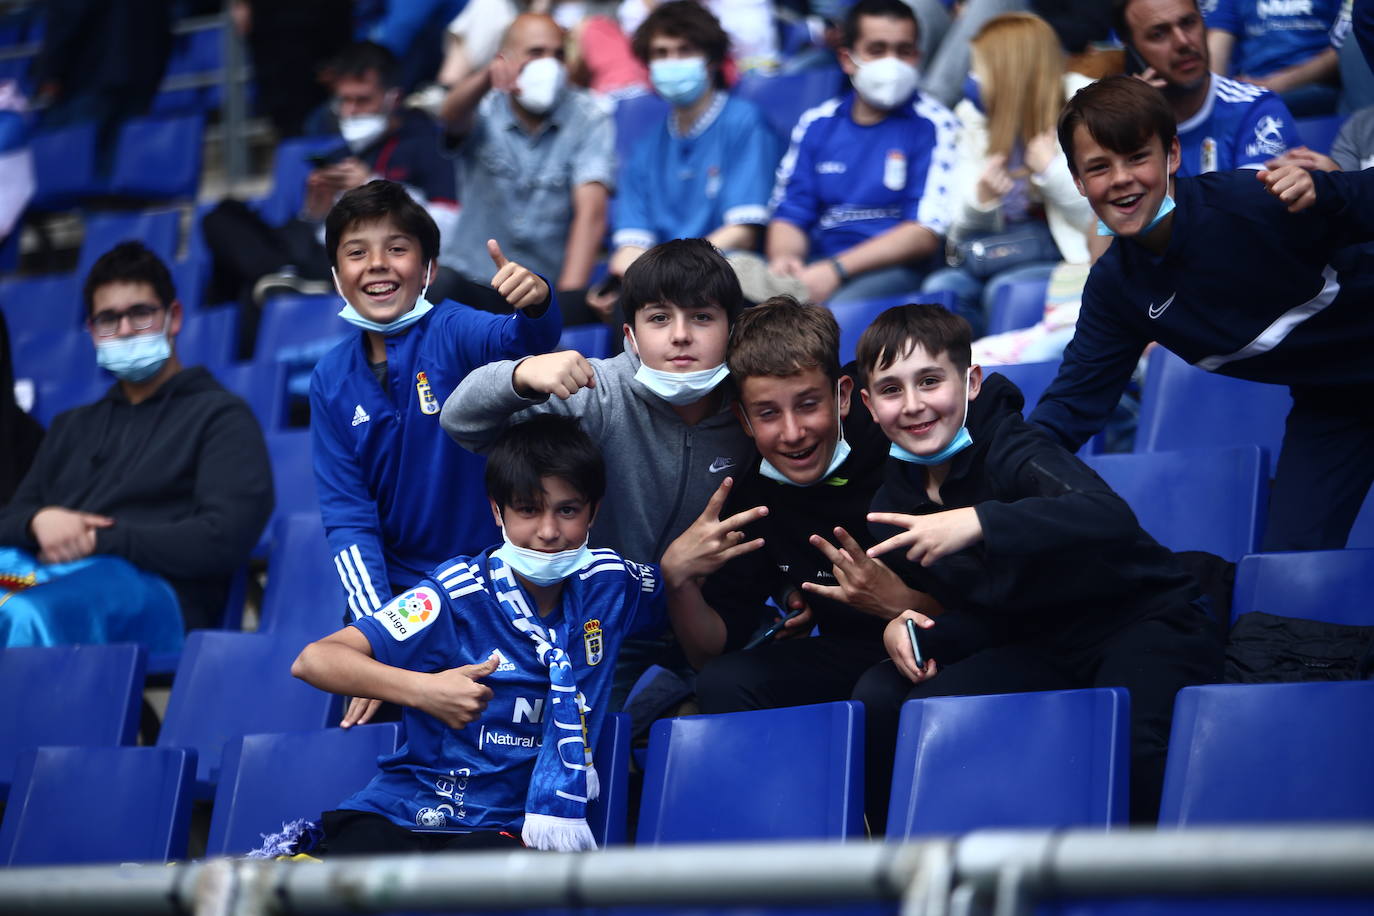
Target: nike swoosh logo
[[721, 464], [1156, 311]]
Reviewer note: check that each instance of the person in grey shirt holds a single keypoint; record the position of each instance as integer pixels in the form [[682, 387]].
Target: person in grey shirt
[[536, 165], [1351, 151]]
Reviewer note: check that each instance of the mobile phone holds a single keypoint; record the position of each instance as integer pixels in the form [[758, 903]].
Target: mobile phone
[[915, 644], [772, 631], [319, 160], [1135, 64], [609, 286]]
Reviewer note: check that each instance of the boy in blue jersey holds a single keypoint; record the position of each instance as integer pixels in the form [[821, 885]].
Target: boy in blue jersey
[[863, 196], [502, 661], [1289, 46], [396, 495], [1256, 279]]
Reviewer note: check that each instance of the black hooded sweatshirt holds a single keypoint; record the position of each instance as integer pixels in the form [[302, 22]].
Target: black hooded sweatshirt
[[184, 474], [1062, 556]]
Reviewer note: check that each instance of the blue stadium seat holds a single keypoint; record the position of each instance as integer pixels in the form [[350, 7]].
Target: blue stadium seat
[[1031, 378], [68, 695], [271, 779], [289, 174], [1017, 305], [293, 473], [1319, 133], [1330, 585], [197, 54], [38, 305], [88, 805], [784, 99], [608, 814], [303, 598], [1362, 532], [208, 337], [262, 385], [1057, 758], [158, 158], [189, 276], [635, 117], [855, 317], [157, 229], [1182, 406], [232, 684], [774, 774], [56, 395], [295, 322], [1257, 753], [66, 358], [591, 340], [1195, 499], [64, 167]]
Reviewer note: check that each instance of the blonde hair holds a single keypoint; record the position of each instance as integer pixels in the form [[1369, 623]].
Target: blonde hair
[[1020, 65]]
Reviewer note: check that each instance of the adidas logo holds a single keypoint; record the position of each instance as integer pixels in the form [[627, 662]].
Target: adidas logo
[[360, 416], [502, 663]]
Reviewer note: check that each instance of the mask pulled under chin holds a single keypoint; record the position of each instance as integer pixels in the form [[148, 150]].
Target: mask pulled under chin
[[543, 568], [885, 83], [1166, 206], [767, 469], [962, 439], [134, 359], [396, 325], [678, 388]]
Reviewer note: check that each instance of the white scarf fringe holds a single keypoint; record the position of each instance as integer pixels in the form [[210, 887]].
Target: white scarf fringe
[[557, 834]]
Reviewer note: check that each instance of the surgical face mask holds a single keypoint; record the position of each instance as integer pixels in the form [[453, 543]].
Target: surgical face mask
[[348, 313], [836, 459], [961, 440], [1166, 206], [678, 388], [360, 131], [541, 84], [543, 568], [680, 81], [134, 359], [884, 83]]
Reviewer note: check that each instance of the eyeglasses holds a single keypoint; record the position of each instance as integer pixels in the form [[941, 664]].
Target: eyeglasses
[[141, 318]]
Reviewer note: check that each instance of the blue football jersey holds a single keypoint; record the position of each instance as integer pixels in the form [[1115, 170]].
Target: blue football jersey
[[1240, 126]]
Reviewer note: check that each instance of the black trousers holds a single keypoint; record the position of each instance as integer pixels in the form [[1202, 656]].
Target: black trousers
[[350, 833], [1152, 657], [793, 672]]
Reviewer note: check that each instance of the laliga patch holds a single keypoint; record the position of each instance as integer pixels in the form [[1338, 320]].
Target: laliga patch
[[428, 404], [409, 612], [592, 642]]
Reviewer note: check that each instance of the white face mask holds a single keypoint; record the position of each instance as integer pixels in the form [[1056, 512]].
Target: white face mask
[[539, 567], [678, 388], [838, 458], [541, 84], [360, 131], [884, 83]]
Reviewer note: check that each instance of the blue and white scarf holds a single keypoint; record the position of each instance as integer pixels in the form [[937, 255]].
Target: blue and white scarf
[[564, 777]]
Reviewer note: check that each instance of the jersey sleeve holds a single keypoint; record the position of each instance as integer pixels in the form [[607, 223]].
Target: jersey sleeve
[[746, 182], [930, 197], [481, 337], [1266, 131], [794, 192], [634, 224], [1224, 16], [646, 606], [403, 634]]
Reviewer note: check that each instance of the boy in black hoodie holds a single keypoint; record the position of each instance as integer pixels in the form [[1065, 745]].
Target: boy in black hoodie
[[993, 520]]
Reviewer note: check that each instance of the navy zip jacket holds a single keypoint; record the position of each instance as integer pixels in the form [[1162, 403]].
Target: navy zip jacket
[[1244, 288]]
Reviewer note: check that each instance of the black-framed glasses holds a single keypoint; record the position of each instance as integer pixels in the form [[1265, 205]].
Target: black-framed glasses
[[141, 318]]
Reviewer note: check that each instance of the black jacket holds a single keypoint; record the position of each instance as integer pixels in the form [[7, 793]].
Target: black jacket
[[184, 474], [1061, 556]]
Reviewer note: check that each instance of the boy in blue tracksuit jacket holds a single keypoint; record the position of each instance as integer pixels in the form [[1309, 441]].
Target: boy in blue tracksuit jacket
[[1252, 279], [397, 496]]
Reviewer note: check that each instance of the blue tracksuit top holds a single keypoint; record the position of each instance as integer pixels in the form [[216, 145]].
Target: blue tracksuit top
[[1244, 288], [397, 495]]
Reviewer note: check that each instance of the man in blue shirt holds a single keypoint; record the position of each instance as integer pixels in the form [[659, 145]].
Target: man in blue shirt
[[1289, 46], [863, 196], [1251, 278], [1223, 124]]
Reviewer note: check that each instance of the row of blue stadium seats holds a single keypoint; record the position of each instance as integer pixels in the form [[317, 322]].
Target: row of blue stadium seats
[[1270, 753]]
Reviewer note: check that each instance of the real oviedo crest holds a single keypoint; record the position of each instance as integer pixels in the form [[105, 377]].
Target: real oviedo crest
[[591, 640], [428, 403]]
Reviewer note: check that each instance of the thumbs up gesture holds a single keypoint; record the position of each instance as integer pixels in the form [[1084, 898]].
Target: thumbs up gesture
[[457, 696], [519, 286]]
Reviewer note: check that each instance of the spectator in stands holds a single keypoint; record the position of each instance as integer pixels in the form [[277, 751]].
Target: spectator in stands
[[1351, 151], [1014, 189], [944, 75], [750, 25], [288, 44], [705, 171], [536, 161], [1236, 275], [993, 521], [864, 194], [139, 507], [1223, 124], [661, 410], [412, 30], [519, 639], [19, 431], [1291, 47]]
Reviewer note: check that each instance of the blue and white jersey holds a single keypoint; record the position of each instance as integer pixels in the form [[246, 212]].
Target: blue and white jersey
[[475, 778], [689, 185], [1273, 34], [1240, 126], [843, 183], [397, 495]]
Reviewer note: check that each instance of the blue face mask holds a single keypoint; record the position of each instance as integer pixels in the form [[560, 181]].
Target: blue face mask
[[543, 568], [680, 81], [837, 459], [678, 388], [1166, 206], [961, 440], [134, 359], [973, 91], [348, 313]]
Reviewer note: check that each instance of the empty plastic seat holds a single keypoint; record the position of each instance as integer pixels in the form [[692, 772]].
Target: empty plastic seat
[[88, 805], [1182, 406], [263, 386], [207, 337], [1362, 531], [1056, 758], [68, 695], [289, 172], [65, 358], [1031, 378], [1319, 133], [774, 774], [41, 305], [158, 158], [303, 597], [157, 229], [855, 317], [56, 395], [233, 684], [293, 474], [1196, 499], [1017, 305], [64, 167], [1254, 753], [591, 340], [295, 323], [607, 815], [784, 99], [1330, 585]]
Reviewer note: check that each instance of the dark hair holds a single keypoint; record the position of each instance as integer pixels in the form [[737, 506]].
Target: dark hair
[[888, 9], [781, 337], [1121, 113], [129, 262], [1121, 26], [689, 20], [896, 331], [361, 58], [377, 200], [689, 273], [547, 445]]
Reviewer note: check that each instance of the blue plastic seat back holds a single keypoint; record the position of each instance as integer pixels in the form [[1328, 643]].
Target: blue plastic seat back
[[608, 814], [262, 385], [1331, 585], [233, 684], [1031, 378], [158, 158], [49, 304], [1254, 753], [62, 362], [1056, 758], [190, 276], [157, 229], [1017, 305], [293, 474], [1182, 406], [295, 325], [195, 56], [64, 167], [635, 118], [1362, 532], [270, 780], [775, 774], [591, 340], [304, 598], [289, 172], [208, 337], [784, 99], [88, 805], [855, 317], [69, 695], [1320, 132], [1210, 499]]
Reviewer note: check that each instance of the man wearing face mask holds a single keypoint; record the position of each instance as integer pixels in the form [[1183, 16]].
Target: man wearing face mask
[[536, 160], [863, 196], [139, 507]]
